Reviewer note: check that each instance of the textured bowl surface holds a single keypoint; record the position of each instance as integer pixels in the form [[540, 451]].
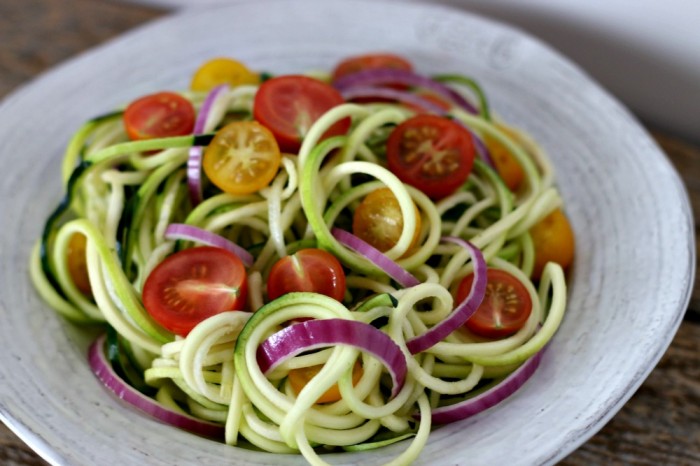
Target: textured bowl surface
[[628, 290]]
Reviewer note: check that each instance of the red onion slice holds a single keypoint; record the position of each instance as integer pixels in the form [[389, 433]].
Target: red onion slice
[[194, 162], [194, 174], [490, 397], [463, 311], [103, 370], [359, 92], [314, 334], [482, 149], [193, 233], [402, 276], [380, 76]]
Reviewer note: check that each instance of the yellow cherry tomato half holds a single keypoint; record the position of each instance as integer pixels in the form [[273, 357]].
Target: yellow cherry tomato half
[[77, 263], [242, 158], [378, 220], [222, 71], [553, 238], [506, 164], [298, 378]]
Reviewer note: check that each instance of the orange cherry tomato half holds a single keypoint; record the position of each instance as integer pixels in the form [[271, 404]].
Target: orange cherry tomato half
[[194, 284], [310, 269], [298, 378], [431, 153], [370, 61], [77, 263], [378, 220], [506, 164], [160, 115], [242, 158], [554, 241], [222, 71], [506, 306], [289, 105]]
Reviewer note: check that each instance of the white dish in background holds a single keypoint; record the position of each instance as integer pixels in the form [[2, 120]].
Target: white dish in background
[[645, 52], [628, 290]]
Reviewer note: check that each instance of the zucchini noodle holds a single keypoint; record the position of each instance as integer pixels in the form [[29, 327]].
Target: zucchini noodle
[[122, 195]]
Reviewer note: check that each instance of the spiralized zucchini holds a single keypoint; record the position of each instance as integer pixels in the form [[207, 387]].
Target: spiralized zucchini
[[124, 194]]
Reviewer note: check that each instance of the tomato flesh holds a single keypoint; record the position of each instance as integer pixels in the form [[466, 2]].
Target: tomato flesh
[[554, 241], [378, 220], [77, 263], [194, 284], [357, 63], [431, 153], [298, 378], [222, 71], [506, 306], [313, 270], [160, 115], [290, 105], [242, 158]]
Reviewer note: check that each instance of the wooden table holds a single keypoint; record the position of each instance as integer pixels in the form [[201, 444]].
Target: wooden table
[[660, 425]]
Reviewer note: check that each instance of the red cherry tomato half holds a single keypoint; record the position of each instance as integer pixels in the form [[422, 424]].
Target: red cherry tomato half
[[431, 153], [505, 308], [160, 115], [289, 105], [310, 269], [194, 284], [370, 61]]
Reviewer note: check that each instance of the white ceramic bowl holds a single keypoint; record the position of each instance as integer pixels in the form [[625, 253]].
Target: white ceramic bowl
[[629, 287]]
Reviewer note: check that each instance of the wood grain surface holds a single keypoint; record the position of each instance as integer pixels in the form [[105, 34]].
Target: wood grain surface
[[660, 425]]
